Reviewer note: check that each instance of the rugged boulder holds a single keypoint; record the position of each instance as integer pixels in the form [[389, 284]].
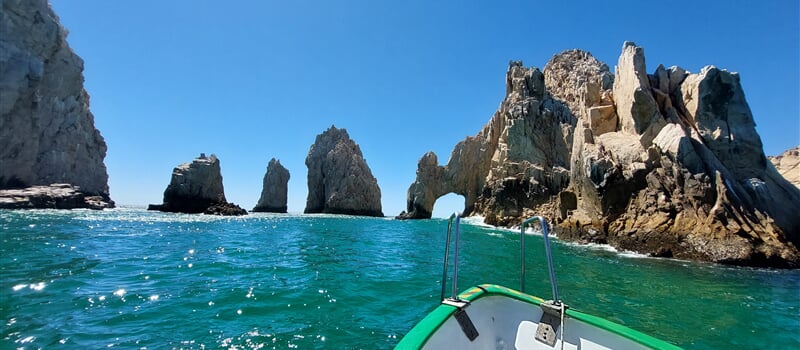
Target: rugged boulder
[[274, 194], [47, 133], [196, 187], [339, 180], [667, 164], [788, 165]]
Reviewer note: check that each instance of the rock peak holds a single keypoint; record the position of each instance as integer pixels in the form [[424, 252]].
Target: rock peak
[[274, 194], [196, 187], [339, 180]]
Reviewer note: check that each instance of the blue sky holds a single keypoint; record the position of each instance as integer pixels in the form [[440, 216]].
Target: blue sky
[[253, 80]]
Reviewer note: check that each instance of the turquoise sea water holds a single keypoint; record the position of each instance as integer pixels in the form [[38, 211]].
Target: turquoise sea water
[[128, 278]]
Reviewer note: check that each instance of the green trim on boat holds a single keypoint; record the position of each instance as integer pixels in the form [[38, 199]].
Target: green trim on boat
[[418, 336], [422, 331]]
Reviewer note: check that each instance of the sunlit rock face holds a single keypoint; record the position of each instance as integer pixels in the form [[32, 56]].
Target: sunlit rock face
[[274, 194], [667, 164], [47, 133], [788, 165], [339, 180]]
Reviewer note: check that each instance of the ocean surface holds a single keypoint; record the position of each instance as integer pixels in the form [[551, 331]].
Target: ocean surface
[[132, 279]]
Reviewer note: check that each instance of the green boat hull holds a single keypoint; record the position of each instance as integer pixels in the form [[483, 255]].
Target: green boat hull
[[496, 317]]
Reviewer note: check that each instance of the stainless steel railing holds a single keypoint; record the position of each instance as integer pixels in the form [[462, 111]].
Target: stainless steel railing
[[455, 217], [553, 283]]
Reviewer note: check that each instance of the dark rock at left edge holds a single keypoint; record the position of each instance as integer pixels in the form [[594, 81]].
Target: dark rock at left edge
[[54, 196], [51, 154]]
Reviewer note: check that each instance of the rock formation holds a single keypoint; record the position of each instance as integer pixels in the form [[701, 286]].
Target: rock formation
[[55, 196], [47, 133], [196, 187], [339, 180], [667, 164], [503, 169], [274, 193], [788, 165]]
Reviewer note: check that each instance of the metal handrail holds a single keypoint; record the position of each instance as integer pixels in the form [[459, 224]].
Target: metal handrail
[[553, 283], [457, 217]]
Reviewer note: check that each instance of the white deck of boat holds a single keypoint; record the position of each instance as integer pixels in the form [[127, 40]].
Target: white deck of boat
[[507, 323]]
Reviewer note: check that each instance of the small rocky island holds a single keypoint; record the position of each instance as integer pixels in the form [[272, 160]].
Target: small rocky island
[[195, 188], [274, 194], [339, 180], [668, 163], [51, 154]]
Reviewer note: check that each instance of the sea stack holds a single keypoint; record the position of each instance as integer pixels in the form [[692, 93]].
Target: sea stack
[[274, 194], [339, 180], [196, 187], [51, 154], [667, 164]]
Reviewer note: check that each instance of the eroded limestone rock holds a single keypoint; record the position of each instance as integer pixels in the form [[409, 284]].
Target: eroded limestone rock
[[682, 192], [339, 180], [636, 106], [676, 170], [196, 187], [519, 157], [274, 194]]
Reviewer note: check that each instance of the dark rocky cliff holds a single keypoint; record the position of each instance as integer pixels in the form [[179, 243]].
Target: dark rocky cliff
[[47, 133]]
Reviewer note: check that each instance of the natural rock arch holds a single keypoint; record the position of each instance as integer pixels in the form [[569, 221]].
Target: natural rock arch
[[434, 180], [520, 156]]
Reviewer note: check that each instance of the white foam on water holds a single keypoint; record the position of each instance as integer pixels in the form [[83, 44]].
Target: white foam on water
[[476, 220], [630, 254], [536, 231], [480, 221]]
